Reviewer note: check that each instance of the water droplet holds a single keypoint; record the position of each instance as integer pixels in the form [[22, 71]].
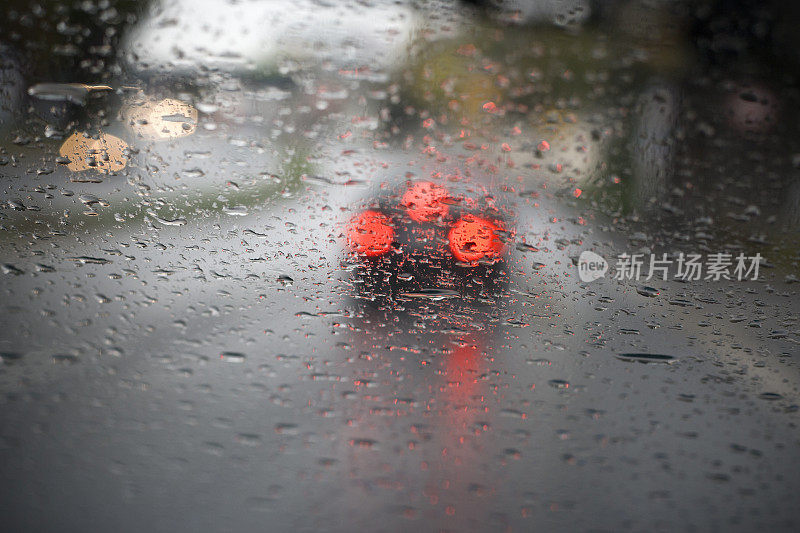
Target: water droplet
[[10, 357], [646, 358], [85, 260], [75, 93], [232, 357], [432, 294], [650, 292], [236, 211], [770, 396]]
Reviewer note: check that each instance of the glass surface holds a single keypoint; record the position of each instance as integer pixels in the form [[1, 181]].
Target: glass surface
[[389, 266]]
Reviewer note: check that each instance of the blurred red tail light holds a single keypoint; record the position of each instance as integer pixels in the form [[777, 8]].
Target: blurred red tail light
[[370, 233], [474, 239]]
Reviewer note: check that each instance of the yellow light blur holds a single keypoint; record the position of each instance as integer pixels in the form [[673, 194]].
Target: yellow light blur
[[165, 119], [105, 154]]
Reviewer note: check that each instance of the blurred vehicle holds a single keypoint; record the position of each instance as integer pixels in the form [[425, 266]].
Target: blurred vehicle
[[431, 241]]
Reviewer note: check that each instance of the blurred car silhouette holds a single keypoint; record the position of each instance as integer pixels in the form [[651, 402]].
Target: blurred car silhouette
[[430, 241]]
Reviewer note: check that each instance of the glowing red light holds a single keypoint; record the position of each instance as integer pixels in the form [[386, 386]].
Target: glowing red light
[[473, 239], [370, 234], [577, 193], [425, 201]]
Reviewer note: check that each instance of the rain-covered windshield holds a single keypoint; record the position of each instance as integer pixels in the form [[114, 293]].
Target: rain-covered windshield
[[387, 266]]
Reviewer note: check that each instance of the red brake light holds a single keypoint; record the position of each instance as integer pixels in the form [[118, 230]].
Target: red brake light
[[425, 201], [474, 238], [370, 234]]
